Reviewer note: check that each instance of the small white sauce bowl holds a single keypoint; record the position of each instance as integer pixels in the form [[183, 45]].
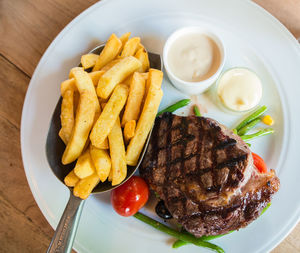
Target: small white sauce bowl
[[186, 86], [221, 103]]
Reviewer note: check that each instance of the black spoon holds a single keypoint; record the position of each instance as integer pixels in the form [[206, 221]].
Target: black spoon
[[64, 235]]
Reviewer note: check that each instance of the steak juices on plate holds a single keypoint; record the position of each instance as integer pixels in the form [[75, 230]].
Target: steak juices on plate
[[205, 175]]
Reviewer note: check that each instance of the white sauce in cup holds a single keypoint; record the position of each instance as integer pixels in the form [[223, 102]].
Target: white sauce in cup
[[194, 57]]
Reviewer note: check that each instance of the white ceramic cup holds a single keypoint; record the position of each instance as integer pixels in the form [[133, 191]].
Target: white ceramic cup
[[186, 86]]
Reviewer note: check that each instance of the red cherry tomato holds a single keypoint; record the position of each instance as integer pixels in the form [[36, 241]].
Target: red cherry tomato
[[130, 197], [259, 163]]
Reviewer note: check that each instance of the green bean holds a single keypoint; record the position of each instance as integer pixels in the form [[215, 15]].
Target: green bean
[[175, 106], [245, 129], [261, 110], [212, 237], [196, 111], [266, 208], [180, 243], [179, 235], [205, 238], [260, 133]]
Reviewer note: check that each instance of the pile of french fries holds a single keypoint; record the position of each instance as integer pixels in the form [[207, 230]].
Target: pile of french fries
[[107, 114]]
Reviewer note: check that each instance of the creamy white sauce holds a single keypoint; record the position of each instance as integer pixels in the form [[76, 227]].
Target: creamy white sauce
[[239, 89], [194, 57]]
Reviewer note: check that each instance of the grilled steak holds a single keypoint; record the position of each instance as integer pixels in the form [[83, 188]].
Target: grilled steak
[[205, 175]]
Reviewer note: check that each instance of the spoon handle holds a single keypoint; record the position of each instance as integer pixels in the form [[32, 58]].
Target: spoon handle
[[64, 235]]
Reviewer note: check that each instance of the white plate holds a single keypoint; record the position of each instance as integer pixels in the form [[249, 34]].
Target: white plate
[[253, 39]]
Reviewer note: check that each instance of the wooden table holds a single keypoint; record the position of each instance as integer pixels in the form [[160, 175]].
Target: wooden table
[[27, 27]]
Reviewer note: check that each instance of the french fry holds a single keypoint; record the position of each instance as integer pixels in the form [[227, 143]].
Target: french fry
[[110, 176], [71, 75], [142, 56], [130, 47], [109, 52], [85, 116], [101, 162], [70, 83], [102, 101], [140, 46], [71, 179], [156, 76], [84, 82], [146, 119], [109, 115], [129, 130], [67, 116], [104, 145], [85, 186], [84, 166], [127, 81], [135, 98], [124, 38], [117, 153], [76, 100], [89, 60], [115, 75], [110, 64], [145, 75]]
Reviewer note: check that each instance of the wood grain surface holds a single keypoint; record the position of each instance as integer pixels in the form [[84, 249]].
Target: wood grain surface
[[27, 27]]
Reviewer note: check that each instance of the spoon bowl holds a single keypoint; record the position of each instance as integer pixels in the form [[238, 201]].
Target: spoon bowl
[[64, 236]]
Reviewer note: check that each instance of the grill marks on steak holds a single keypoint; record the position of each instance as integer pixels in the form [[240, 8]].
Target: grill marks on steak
[[197, 155], [203, 172]]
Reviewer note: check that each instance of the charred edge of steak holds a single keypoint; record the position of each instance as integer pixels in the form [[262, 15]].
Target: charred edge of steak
[[242, 211]]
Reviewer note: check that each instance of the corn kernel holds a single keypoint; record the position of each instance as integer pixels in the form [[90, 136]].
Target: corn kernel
[[268, 120]]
